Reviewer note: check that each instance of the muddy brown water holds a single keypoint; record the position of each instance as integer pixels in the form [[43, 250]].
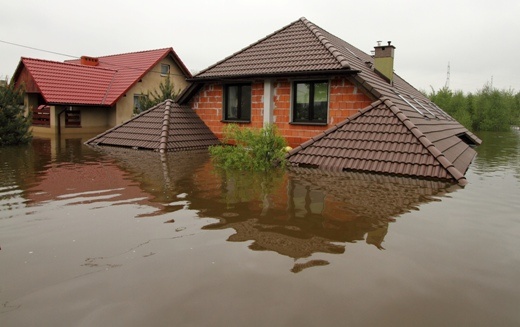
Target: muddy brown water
[[111, 237]]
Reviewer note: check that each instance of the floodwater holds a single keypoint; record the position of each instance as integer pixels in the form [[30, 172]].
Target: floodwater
[[111, 237]]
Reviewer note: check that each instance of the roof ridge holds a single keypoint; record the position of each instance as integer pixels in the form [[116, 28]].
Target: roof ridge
[[246, 48], [109, 87], [428, 145], [127, 53], [66, 63], [165, 127], [317, 31]]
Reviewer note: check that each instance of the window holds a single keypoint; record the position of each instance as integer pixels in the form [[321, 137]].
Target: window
[[41, 116], [165, 69], [310, 102], [137, 103], [237, 103], [72, 118]]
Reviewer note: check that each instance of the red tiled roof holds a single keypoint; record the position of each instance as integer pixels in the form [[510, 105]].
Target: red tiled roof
[[62, 83], [73, 83], [164, 127], [425, 141]]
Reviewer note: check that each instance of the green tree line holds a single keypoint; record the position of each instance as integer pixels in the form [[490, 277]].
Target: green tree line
[[489, 109]]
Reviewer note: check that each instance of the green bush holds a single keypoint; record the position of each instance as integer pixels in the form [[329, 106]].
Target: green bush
[[253, 149], [14, 126], [489, 109]]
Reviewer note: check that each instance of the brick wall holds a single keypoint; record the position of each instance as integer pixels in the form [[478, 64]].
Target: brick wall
[[344, 100], [208, 104]]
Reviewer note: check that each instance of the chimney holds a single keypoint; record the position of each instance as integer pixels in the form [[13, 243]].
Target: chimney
[[384, 61], [89, 61]]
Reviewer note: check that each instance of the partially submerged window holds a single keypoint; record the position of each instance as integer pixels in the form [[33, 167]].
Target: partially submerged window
[[237, 103], [165, 69], [310, 102], [72, 118], [466, 139], [41, 116]]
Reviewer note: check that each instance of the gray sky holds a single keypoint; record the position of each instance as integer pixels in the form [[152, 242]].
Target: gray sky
[[479, 39]]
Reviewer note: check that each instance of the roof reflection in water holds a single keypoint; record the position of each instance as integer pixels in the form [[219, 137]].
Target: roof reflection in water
[[295, 213], [302, 212]]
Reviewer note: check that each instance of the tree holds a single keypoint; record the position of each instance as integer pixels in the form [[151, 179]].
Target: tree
[[166, 91], [14, 125]]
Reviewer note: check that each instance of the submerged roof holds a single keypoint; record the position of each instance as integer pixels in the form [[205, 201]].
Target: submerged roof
[[164, 127], [380, 138], [71, 82], [402, 132]]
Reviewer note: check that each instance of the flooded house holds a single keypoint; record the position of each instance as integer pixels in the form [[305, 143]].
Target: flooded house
[[93, 94], [340, 108]]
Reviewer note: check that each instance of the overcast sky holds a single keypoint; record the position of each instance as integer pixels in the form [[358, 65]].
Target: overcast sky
[[479, 39]]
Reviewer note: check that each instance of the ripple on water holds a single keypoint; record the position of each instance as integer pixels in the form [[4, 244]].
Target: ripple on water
[[11, 201]]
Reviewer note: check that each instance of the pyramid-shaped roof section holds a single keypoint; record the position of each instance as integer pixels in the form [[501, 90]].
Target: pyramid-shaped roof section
[[164, 127], [296, 48], [381, 139]]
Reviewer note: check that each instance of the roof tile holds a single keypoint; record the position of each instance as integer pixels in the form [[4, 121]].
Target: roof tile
[[72, 83], [184, 130]]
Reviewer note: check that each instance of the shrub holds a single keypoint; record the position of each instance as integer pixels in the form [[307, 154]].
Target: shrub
[[253, 149]]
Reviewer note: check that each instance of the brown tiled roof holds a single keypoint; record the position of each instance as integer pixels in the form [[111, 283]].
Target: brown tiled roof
[[164, 127], [402, 132], [298, 47], [380, 138]]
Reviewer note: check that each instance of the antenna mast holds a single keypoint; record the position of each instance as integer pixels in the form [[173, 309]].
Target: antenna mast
[[447, 84]]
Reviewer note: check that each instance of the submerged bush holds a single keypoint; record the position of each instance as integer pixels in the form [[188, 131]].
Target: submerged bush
[[253, 149]]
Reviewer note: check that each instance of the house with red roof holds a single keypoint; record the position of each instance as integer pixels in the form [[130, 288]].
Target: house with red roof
[[340, 108], [93, 94]]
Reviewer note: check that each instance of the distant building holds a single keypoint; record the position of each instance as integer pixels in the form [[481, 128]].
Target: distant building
[[91, 95]]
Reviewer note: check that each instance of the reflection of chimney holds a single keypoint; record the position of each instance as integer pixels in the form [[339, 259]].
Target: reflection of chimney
[[384, 61], [89, 61]]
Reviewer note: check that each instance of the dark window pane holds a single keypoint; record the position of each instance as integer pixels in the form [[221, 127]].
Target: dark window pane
[[310, 102], [232, 102], [321, 93], [238, 102], [302, 97]]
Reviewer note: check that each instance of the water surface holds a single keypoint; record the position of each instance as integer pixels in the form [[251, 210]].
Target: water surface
[[94, 237]]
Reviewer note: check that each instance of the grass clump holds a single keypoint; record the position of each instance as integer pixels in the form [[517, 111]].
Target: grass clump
[[253, 149]]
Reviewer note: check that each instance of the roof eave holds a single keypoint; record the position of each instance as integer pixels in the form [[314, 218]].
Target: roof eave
[[168, 51], [273, 75]]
